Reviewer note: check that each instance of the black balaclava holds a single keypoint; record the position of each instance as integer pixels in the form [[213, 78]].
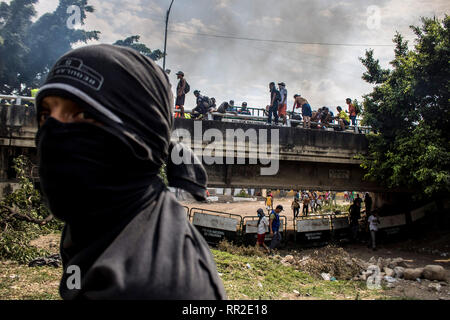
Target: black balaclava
[[102, 180], [130, 95]]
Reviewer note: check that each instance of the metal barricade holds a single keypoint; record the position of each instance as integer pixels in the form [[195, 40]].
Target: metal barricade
[[340, 227], [313, 229], [216, 225], [391, 226], [250, 230]]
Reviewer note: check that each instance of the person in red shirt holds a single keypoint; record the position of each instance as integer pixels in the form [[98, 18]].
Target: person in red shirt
[[351, 111]]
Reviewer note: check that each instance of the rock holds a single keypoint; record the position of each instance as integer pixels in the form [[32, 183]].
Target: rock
[[389, 279], [412, 274], [436, 287], [289, 259], [390, 285], [389, 272], [380, 263], [399, 272], [325, 276], [295, 291], [395, 262], [361, 263], [372, 260], [434, 272], [363, 277]]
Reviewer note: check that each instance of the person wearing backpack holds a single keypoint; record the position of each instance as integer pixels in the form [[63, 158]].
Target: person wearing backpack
[[203, 103], [262, 225], [275, 99], [275, 227], [182, 89]]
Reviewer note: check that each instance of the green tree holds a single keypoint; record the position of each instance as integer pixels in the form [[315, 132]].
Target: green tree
[[23, 217], [409, 111], [15, 20], [133, 42], [29, 49]]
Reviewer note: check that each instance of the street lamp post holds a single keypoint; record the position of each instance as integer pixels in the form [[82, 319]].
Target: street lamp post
[[165, 36]]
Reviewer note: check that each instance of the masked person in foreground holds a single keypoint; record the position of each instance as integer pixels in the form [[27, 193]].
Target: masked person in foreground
[[105, 120]]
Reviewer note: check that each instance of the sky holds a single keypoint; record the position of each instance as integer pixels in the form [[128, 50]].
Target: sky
[[319, 42]]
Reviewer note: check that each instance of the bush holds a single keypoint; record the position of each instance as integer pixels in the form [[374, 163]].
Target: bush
[[24, 217]]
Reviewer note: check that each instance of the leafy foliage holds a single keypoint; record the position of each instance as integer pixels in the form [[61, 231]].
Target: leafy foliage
[[28, 49], [133, 43], [409, 111], [23, 217]]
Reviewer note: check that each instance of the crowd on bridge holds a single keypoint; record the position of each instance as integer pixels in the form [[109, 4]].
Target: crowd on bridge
[[322, 118]]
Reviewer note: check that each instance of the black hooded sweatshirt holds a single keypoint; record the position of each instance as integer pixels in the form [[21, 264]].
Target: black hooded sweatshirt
[[124, 231]]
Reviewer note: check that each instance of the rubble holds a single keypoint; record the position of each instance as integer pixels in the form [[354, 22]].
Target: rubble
[[434, 287], [413, 274], [434, 272], [399, 272]]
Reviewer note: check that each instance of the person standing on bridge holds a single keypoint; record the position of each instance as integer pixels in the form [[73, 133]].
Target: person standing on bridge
[[274, 101], [182, 89], [301, 102], [351, 111], [101, 143], [282, 106]]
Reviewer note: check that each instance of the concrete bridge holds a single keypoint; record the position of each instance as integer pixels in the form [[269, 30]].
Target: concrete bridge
[[235, 154]]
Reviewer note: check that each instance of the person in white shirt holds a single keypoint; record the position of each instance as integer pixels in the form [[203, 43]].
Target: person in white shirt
[[373, 228], [263, 224]]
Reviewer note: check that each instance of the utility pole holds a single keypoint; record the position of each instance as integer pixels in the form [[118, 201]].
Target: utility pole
[[165, 36]]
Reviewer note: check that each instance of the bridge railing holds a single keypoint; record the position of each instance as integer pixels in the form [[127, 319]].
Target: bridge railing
[[16, 99], [258, 115], [233, 117]]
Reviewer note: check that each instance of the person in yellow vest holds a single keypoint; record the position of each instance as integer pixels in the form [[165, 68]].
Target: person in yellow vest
[[344, 119], [269, 201], [34, 92]]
